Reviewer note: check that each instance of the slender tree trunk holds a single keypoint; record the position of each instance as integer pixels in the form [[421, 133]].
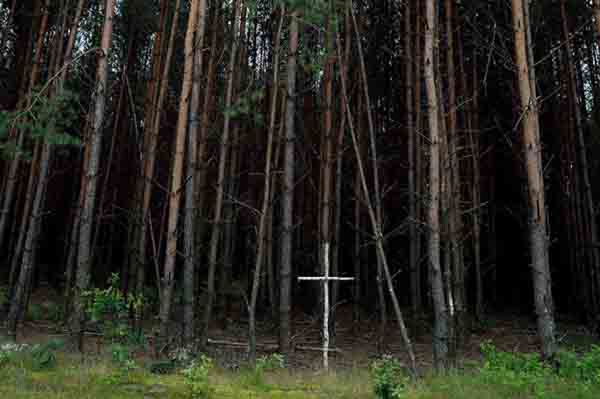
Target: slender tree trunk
[[150, 151], [441, 321], [285, 293], [19, 299], [376, 183], [91, 181], [223, 154], [454, 191], [11, 180], [266, 201], [533, 159], [415, 281], [190, 187], [476, 159], [177, 173], [588, 204], [16, 260], [377, 232]]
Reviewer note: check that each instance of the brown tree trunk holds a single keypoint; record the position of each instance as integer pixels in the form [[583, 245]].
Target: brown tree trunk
[[223, 154], [441, 321], [190, 186], [415, 273], [11, 180], [588, 203], [377, 232], [150, 143], [285, 293], [91, 181], [537, 205], [266, 201], [168, 279], [376, 183]]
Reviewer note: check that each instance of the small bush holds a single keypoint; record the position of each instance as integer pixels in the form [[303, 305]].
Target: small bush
[[256, 374], [582, 368], [520, 372], [196, 377], [44, 356], [111, 308], [389, 382], [121, 356]]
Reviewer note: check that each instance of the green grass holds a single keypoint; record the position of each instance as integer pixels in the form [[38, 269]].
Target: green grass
[[96, 377]]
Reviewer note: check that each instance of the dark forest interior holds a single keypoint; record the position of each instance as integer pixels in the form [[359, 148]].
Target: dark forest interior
[[199, 156]]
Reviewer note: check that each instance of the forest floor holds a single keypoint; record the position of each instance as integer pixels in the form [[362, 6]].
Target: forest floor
[[129, 370]]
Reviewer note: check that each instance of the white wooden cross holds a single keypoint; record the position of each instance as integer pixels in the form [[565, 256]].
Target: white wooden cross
[[325, 280]]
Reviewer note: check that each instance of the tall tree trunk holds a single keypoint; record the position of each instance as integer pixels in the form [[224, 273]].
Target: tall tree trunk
[[266, 201], [409, 43], [537, 205], [289, 163], [376, 183], [168, 279], [377, 232], [11, 180], [327, 170], [588, 203], [91, 181], [149, 157], [441, 321], [19, 299], [454, 186], [190, 187], [223, 154]]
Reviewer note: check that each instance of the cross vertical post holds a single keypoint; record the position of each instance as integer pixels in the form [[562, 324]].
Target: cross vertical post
[[325, 281]]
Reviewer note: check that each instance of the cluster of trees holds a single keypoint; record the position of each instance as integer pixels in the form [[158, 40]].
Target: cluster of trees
[[205, 148]]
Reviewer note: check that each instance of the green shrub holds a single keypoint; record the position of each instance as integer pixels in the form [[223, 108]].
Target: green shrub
[[389, 382], [583, 368], [520, 372], [44, 356], [256, 374], [196, 377], [111, 308]]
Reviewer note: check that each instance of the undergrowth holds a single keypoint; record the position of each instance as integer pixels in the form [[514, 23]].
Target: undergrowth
[[44, 371]]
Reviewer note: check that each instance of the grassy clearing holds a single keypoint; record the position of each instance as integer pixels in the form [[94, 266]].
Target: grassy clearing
[[502, 375]]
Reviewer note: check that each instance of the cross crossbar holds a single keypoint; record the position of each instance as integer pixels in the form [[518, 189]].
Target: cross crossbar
[[325, 278]]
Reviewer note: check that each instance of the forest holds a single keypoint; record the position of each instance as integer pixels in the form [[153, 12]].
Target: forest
[[309, 182]]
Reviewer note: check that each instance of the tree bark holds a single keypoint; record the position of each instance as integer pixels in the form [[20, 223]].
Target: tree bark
[[441, 321], [537, 206], [91, 181], [377, 232], [168, 279], [266, 201], [223, 154], [190, 187], [285, 294]]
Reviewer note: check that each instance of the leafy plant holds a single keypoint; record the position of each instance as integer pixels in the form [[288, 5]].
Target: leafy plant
[[44, 356], [111, 308], [196, 377], [522, 372], [121, 356], [389, 382], [584, 368]]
